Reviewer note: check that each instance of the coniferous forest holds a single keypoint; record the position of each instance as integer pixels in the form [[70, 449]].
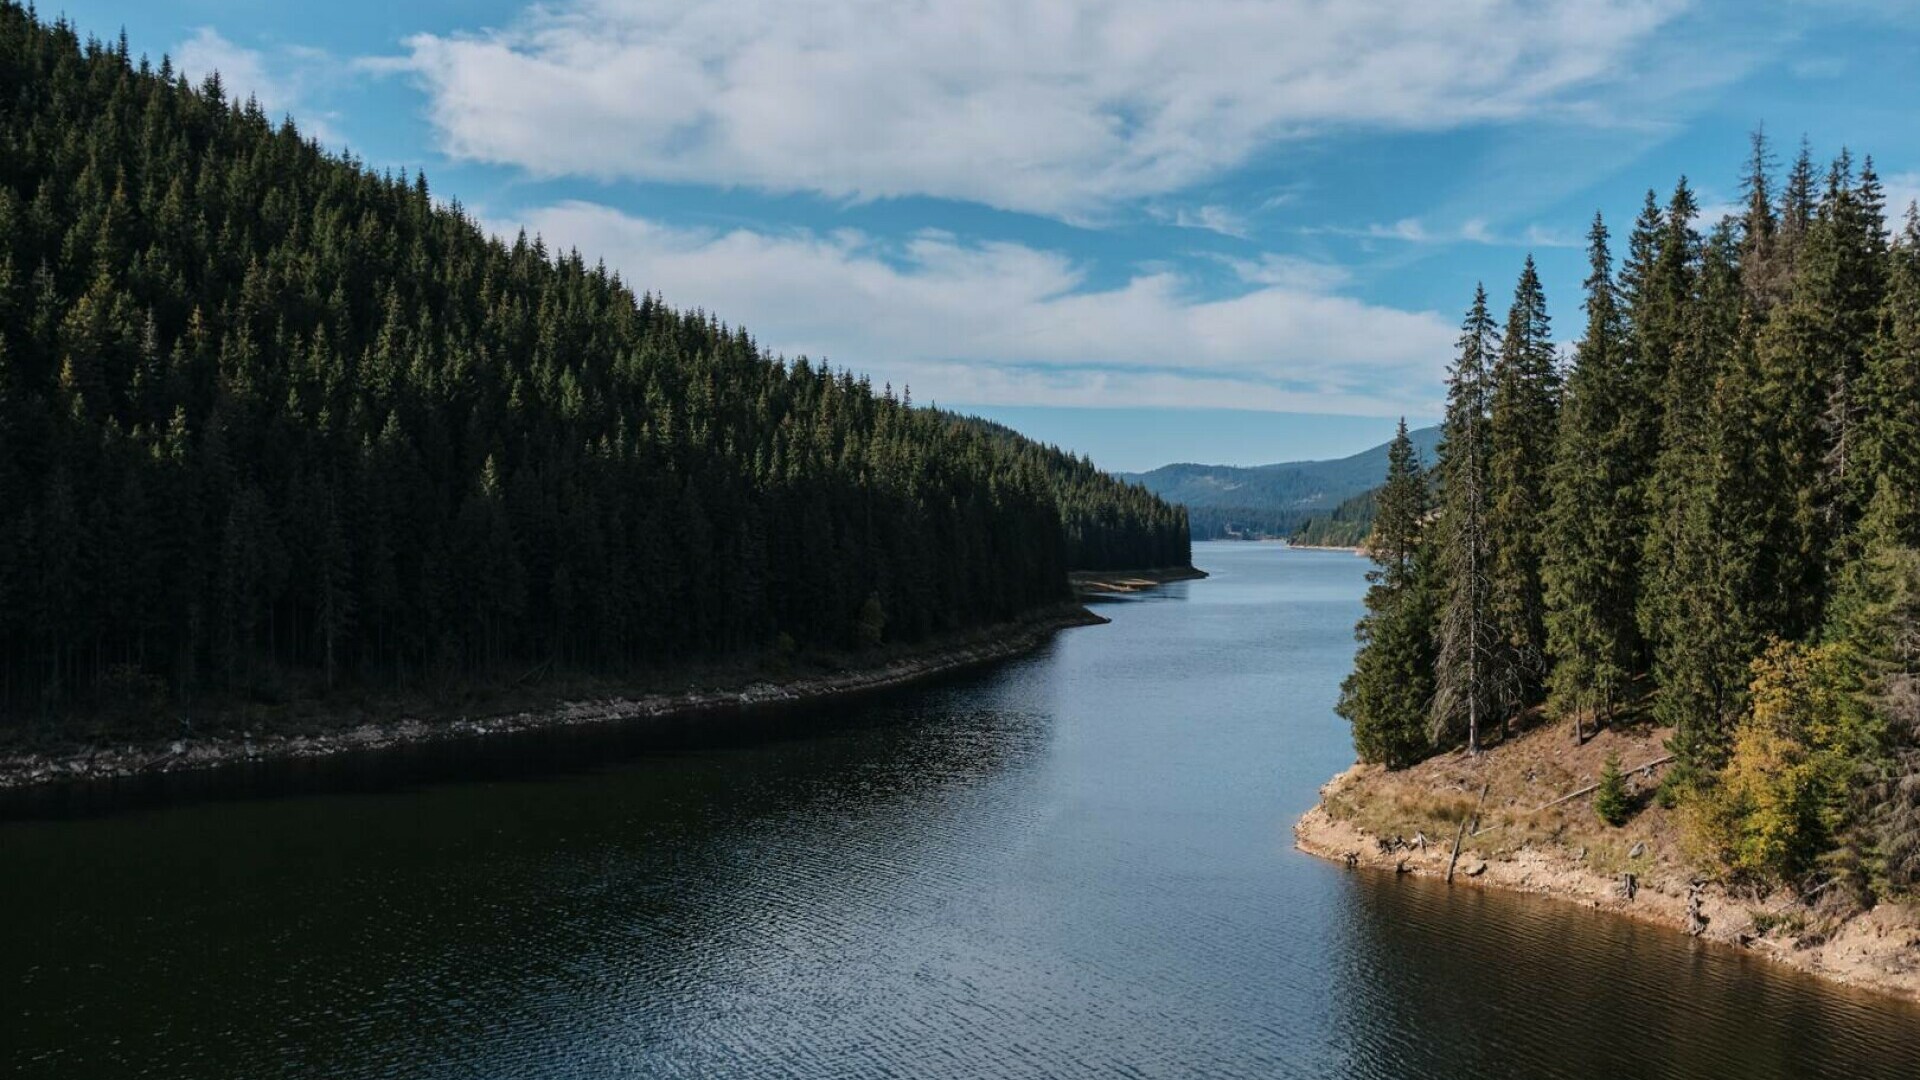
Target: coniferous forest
[[1707, 516], [270, 419]]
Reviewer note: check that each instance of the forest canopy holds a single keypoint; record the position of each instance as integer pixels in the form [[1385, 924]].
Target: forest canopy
[[268, 415], [1708, 516]]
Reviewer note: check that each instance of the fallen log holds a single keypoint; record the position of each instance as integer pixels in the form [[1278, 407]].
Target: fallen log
[[1461, 833], [1591, 788]]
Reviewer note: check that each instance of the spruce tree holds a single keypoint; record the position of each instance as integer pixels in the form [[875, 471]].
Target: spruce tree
[[1521, 432], [1659, 286], [1591, 563], [1467, 678], [1610, 798], [1812, 356], [1676, 373], [1763, 273], [1698, 563], [1890, 434], [1387, 695]]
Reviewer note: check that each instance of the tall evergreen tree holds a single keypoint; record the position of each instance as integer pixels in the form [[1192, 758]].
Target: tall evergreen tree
[[1675, 375], [1697, 565], [1890, 433], [1812, 356], [1468, 677], [1390, 690], [1763, 272], [1663, 255], [1520, 438], [1591, 561]]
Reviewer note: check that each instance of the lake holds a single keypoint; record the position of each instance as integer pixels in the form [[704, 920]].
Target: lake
[[1077, 863]]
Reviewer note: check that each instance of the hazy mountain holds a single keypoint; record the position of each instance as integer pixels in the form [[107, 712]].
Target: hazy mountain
[[1272, 500]]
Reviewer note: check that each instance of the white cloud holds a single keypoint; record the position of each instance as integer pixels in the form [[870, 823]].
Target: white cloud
[[279, 84], [1290, 272], [1065, 108], [1472, 231], [1710, 214], [1211, 218], [1004, 323], [242, 71], [1902, 190]]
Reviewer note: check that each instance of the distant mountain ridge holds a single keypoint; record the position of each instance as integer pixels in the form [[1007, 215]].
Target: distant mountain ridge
[[1252, 502]]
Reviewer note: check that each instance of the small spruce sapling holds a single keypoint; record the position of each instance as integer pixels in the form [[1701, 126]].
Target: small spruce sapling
[[1610, 800]]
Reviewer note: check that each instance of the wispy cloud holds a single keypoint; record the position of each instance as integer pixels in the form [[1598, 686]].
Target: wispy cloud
[[1413, 230], [996, 323], [1062, 109], [1211, 218], [282, 83], [1903, 190]]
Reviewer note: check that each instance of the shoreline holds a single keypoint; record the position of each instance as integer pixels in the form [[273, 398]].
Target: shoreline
[[1519, 846], [742, 689], [1090, 584]]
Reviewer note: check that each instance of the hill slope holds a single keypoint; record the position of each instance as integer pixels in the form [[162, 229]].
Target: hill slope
[[1345, 526], [273, 422], [1271, 500]]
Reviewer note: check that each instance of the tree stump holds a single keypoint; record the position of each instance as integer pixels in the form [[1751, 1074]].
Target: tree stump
[[1696, 919]]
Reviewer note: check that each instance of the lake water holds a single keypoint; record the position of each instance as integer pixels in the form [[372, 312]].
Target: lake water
[[1073, 864]]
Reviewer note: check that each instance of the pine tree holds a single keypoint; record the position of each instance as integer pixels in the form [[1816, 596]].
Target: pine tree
[[1387, 695], [1400, 512], [1877, 614], [1797, 198], [1610, 798], [1591, 563], [1468, 678], [1763, 273], [1696, 572], [1890, 432], [1669, 341], [1812, 356], [1521, 432], [1659, 286]]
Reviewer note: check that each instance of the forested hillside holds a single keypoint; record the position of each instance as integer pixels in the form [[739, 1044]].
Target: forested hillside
[[1234, 502], [1711, 518], [271, 420], [1347, 526], [1110, 523]]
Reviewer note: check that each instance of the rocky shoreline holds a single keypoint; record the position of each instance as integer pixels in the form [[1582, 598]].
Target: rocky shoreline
[[1520, 846], [1088, 584], [68, 764]]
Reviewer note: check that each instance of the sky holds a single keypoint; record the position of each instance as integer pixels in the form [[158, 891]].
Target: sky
[[1227, 231]]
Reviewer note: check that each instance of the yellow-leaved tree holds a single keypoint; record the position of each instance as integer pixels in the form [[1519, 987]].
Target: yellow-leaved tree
[[1785, 794]]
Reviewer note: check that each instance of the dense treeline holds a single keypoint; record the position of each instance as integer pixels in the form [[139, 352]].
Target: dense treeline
[[1110, 524], [269, 420], [1711, 515], [1347, 526], [1241, 522]]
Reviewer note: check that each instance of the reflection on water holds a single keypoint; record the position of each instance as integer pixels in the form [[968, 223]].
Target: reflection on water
[[1073, 864]]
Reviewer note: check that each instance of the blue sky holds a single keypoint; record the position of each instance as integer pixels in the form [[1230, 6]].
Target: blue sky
[[1223, 230]]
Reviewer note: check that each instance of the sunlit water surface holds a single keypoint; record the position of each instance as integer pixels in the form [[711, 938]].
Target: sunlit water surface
[[1074, 864]]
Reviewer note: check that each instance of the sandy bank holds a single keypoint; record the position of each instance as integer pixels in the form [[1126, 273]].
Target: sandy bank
[[1114, 582], [1564, 851]]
